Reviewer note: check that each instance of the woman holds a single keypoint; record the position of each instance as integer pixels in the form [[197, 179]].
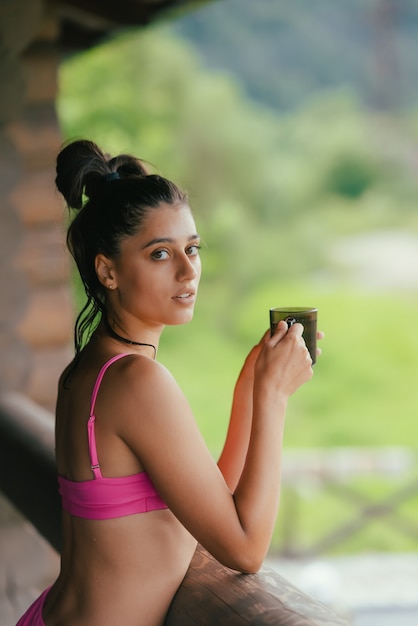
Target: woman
[[139, 487]]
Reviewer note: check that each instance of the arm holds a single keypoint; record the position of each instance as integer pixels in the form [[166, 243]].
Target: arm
[[232, 459], [161, 431]]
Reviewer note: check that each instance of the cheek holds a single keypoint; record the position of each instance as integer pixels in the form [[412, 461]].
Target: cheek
[[198, 267], [133, 284]]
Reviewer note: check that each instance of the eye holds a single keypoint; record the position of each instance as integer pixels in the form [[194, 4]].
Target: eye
[[193, 250], [159, 255]]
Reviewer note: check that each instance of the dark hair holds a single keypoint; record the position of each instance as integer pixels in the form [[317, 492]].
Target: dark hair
[[112, 197]]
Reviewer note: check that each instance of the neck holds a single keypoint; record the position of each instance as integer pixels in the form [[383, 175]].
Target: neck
[[126, 340]]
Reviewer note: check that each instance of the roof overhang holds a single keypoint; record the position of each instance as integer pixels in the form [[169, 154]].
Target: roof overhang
[[84, 22]]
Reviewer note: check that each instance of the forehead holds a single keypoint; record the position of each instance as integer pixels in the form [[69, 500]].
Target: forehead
[[168, 220]]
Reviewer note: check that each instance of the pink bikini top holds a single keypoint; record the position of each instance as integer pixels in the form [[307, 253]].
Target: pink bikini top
[[107, 498]]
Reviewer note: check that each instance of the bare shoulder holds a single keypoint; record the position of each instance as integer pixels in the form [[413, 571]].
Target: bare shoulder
[[135, 373], [137, 384]]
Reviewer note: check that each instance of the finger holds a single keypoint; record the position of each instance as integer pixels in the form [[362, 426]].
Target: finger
[[279, 332], [281, 329], [320, 334], [296, 329]]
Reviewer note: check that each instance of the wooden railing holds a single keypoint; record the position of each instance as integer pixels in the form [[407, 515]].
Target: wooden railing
[[210, 595]]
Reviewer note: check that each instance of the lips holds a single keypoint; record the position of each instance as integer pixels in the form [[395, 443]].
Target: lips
[[185, 296]]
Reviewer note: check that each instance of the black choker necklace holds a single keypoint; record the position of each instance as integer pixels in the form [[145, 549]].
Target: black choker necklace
[[130, 342]]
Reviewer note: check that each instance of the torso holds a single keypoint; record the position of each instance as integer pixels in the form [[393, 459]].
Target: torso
[[113, 571], [123, 571]]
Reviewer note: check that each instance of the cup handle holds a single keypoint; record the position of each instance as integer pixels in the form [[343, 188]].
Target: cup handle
[[290, 321]]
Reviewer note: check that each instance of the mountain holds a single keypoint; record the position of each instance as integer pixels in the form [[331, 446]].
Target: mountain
[[285, 52]]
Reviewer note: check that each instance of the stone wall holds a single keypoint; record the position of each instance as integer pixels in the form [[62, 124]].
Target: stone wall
[[36, 313]]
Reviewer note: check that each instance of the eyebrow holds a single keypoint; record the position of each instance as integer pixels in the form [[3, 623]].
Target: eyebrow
[[167, 240]]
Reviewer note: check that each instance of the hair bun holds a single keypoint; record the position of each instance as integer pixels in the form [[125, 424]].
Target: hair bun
[[78, 164], [83, 169], [127, 165]]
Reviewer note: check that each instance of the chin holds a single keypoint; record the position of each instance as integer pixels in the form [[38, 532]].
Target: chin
[[179, 320]]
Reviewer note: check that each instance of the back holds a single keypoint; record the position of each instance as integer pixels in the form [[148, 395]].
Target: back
[[107, 498], [139, 558]]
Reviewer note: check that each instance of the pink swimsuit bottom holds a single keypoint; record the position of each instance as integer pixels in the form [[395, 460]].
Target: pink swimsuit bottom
[[33, 616], [107, 498]]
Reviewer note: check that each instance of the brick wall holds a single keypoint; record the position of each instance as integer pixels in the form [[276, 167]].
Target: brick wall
[[36, 313]]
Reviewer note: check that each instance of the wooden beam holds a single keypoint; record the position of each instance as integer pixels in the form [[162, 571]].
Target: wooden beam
[[125, 12], [213, 595]]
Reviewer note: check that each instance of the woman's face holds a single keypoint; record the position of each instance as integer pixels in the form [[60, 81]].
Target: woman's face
[[156, 275]]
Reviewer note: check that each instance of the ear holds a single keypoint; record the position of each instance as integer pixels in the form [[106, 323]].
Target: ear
[[105, 271]]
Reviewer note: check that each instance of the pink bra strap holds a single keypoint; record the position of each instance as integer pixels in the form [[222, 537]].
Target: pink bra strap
[[94, 459]]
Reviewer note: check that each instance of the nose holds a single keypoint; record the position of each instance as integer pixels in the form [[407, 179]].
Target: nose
[[188, 268]]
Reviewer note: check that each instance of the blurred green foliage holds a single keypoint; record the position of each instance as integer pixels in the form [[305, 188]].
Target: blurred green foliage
[[272, 196]]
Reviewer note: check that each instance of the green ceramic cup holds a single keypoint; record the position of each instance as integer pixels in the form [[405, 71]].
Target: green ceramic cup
[[307, 316]]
